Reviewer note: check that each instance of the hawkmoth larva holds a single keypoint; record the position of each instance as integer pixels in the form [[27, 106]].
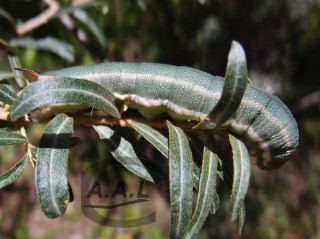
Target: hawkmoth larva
[[186, 93]]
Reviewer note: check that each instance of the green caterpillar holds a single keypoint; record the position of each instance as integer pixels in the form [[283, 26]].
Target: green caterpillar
[[189, 94]]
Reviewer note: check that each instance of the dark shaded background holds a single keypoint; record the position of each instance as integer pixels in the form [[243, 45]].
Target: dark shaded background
[[281, 40]]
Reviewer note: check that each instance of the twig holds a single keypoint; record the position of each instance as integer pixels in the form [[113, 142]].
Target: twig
[[39, 20], [88, 121], [125, 122]]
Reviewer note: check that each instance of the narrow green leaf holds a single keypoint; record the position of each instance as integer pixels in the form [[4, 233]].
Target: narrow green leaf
[[14, 173], [161, 143], [241, 175], [7, 16], [152, 136], [19, 79], [205, 125], [242, 215], [215, 202], [235, 84], [64, 90], [206, 193], [180, 178], [67, 9], [51, 168], [7, 96], [9, 138], [210, 150], [123, 151], [51, 44], [91, 25], [6, 75], [196, 176]]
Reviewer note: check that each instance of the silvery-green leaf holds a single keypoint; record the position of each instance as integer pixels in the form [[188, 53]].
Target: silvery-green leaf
[[51, 167], [7, 96], [15, 63], [207, 192], [6, 75], [152, 136], [51, 44], [196, 176], [123, 151], [205, 125], [180, 180], [91, 25], [64, 90], [9, 138], [161, 143], [14, 173], [67, 9], [215, 202], [210, 151], [242, 215], [235, 84], [241, 175]]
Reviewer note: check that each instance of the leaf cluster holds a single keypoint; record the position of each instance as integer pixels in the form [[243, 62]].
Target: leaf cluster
[[56, 95]]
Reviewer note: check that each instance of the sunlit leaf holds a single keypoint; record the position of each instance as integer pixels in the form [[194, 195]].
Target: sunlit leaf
[[160, 142], [19, 79], [180, 175], [242, 215], [51, 168], [152, 136], [7, 96], [91, 26], [196, 176], [9, 138], [6, 75], [123, 151], [241, 175], [235, 84], [51, 44], [204, 125], [67, 9], [14, 173], [207, 192], [64, 90]]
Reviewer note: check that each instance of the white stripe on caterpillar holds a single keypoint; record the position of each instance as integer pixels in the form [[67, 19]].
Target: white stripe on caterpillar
[[186, 93]]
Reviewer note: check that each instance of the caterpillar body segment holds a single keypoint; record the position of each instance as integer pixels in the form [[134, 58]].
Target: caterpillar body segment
[[189, 94]]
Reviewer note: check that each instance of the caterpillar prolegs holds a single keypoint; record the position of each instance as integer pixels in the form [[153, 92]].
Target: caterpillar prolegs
[[189, 94]]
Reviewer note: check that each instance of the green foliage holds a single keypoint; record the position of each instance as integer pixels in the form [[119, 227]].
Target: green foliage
[[123, 151], [241, 176], [152, 136], [83, 17], [207, 196], [51, 168], [236, 79], [63, 49], [53, 151], [76, 94], [6, 75], [160, 142], [180, 171], [7, 96], [64, 90], [9, 138], [14, 173]]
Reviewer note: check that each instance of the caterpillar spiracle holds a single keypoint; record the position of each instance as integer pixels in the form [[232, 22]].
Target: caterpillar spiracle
[[189, 94]]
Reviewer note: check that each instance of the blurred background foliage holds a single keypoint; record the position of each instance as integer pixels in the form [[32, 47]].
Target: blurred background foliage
[[281, 39]]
